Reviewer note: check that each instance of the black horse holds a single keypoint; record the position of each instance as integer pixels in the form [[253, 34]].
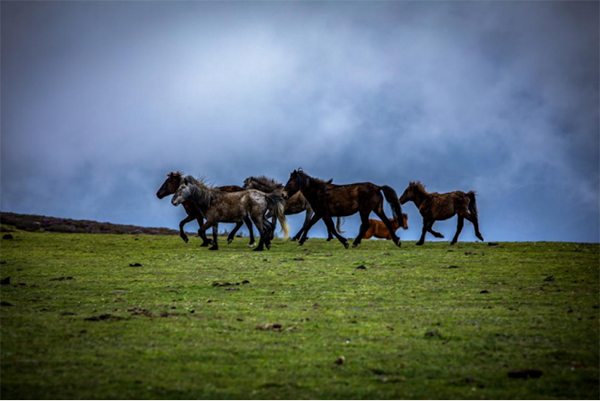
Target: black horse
[[328, 200], [295, 204]]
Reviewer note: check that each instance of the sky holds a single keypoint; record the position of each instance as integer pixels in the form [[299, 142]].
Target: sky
[[101, 100]]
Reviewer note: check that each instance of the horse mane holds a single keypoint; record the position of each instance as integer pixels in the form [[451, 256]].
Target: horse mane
[[419, 186], [201, 194], [270, 184], [317, 180]]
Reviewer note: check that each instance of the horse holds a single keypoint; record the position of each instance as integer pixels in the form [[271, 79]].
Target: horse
[[232, 207], [378, 230], [173, 181], [434, 206], [329, 200], [294, 205]]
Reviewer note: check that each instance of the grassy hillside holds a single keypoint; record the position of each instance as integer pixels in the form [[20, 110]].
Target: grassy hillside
[[113, 316]]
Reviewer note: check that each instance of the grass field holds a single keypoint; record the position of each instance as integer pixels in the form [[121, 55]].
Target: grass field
[[90, 316]]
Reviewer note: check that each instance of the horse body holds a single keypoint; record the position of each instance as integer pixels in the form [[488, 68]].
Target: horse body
[[329, 200], [170, 186], [378, 230], [232, 207], [434, 206]]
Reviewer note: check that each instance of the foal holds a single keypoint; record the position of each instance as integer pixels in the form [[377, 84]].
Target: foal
[[233, 207], [173, 181], [378, 230], [434, 206]]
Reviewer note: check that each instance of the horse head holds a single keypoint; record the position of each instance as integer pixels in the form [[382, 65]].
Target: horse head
[[409, 192], [170, 185], [298, 179], [183, 193]]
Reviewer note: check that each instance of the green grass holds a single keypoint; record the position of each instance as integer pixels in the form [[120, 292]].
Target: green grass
[[436, 321]]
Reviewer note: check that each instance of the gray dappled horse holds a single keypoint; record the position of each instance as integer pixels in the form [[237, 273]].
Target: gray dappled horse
[[232, 207]]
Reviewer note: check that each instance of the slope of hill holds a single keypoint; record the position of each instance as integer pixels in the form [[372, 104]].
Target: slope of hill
[[30, 222]]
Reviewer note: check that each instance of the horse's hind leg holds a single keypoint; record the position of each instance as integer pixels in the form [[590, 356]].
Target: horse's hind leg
[[473, 219], [307, 217], [388, 224], [261, 231], [249, 225], [459, 227]]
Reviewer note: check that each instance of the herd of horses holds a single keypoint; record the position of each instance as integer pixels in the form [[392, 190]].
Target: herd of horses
[[263, 202]]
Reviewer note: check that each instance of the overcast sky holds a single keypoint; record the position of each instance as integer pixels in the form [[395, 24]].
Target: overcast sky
[[100, 100]]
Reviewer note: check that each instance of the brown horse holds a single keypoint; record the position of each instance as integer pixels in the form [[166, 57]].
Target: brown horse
[[232, 207], [378, 230], [434, 206], [328, 200], [294, 205], [173, 181]]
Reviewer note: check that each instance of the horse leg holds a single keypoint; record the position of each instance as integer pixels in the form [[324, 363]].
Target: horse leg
[[182, 223], [364, 226], [309, 214], [473, 219], [202, 233], [331, 227], [248, 222], [215, 227], [435, 233], [459, 227], [231, 235], [388, 224], [311, 223], [261, 231], [426, 227]]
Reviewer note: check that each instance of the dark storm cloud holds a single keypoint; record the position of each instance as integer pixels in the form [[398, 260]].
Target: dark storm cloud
[[101, 100]]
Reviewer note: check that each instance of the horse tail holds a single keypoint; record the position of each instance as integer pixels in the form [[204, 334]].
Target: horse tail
[[279, 212], [392, 198], [338, 226], [472, 203]]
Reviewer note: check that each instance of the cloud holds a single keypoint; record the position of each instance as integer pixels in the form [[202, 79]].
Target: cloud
[[501, 98]]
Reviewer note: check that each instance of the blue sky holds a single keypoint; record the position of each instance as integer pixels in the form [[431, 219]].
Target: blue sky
[[100, 100]]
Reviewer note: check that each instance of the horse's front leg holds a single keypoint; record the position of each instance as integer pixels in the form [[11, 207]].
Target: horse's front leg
[[364, 226], [231, 235], [459, 227], [311, 223], [331, 227], [202, 233], [426, 227], [215, 227], [182, 223], [309, 214]]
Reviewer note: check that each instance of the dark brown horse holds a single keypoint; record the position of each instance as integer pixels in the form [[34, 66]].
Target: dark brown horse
[[378, 230], [173, 181], [434, 206], [329, 200], [233, 207], [294, 205]]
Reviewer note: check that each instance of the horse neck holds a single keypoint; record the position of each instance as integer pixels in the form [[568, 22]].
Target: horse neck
[[420, 196], [202, 195]]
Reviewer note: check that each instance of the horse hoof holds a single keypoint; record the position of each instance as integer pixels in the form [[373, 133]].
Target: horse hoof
[[252, 245], [229, 241], [419, 243], [257, 250], [205, 244], [213, 248], [347, 246]]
